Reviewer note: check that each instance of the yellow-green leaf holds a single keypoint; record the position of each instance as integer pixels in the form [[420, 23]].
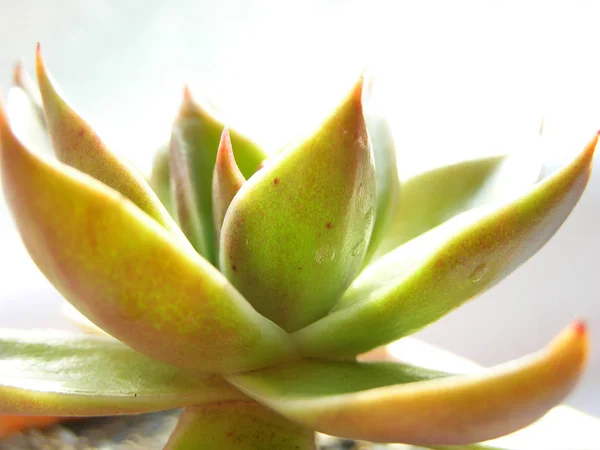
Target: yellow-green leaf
[[391, 402], [194, 143], [76, 144], [296, 233], [429, 276], [126, 273], [227, 181], [58, 373], [238, 425]]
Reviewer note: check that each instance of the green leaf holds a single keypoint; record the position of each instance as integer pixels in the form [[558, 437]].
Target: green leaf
[[194, 143], [429, 199], [431, 275], [67, 374], [160, 178], [76, 144], [391, 402], [227, 181], [126, 273], [388, 185], [296, 233], [238, 425]]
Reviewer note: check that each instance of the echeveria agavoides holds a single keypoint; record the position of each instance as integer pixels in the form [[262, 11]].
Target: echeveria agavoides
[[249, 304]]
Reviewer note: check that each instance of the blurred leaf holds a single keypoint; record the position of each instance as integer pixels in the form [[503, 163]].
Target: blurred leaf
[[126, 273], [67, 374], [429, 199], [296, 233], [428, 277], [391, 402], [160, 178]]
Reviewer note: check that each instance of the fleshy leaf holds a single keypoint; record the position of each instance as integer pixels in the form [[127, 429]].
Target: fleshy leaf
[[386, 172], [77, 145], [238, 425], [68, 374], [429, 199], [296, 233], [160, 178], [227, 181], [431, 275], [194, 143], [126, 273], [390, 402]]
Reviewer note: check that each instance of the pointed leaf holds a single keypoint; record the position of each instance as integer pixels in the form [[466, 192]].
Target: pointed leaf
[[76, 144], [227, 181], [67, 374], [431, 275], [429, 199], [389, 402], [296, 233], [386, 171], [238, 425], [126, 273], [194, 144]]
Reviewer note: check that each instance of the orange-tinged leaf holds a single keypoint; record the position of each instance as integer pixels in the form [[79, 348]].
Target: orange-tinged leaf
[[429, 276], [76, 144], [296, 233], [388, 402], [58, 373], [227, 180], [126, 273]]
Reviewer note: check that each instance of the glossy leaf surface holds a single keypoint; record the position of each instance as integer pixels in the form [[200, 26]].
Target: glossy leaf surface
[[429, 199], [390, 402], [431, 275], [77, 145], [59, 373], [126, 273], [226, 182], [296, 233], [194, 143], [240, 425]]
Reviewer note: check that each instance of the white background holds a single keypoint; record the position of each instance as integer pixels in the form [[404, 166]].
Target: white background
[[459, 78]]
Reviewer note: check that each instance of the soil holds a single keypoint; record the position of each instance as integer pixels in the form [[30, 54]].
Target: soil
[[142, 432]]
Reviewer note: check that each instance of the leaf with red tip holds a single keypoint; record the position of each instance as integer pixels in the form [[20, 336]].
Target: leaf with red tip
[[429, 276], [227, 181], [194, 144], [296, 233], [126, 273], [238, 425], [390, 402], [76, 144], [67, 374]]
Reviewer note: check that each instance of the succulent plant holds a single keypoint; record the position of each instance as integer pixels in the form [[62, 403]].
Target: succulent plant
[[250, 304]]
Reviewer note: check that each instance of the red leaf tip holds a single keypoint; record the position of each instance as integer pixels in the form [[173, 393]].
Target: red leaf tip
[[580, 327], [187, 93], [18, 74]]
